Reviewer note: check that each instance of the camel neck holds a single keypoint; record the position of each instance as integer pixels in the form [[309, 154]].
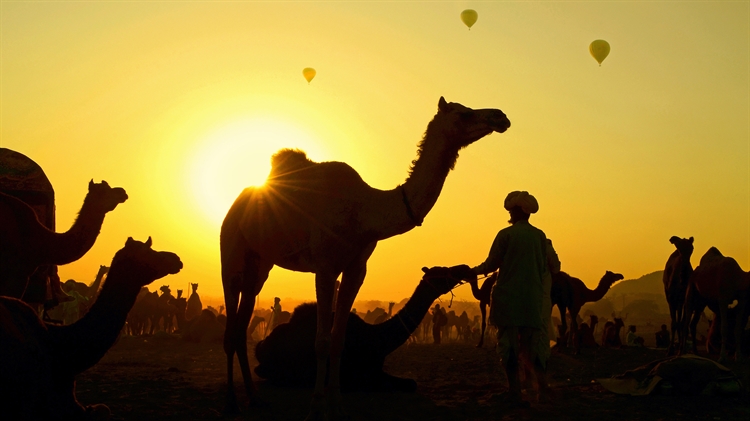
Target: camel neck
[[73, 244], [397, 330], [84, 343], [428, 173]]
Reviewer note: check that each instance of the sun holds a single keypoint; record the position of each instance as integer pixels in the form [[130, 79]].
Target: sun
[[238, 155]]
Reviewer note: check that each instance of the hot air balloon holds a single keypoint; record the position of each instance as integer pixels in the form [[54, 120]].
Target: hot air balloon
[[308, 73], [469, 17], [599, 49]]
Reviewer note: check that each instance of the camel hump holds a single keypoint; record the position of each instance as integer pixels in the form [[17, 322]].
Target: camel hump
[[287, 161], [711, 256]]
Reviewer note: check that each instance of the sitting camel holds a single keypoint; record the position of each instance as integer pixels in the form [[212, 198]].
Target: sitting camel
[[585, 336], [287, 355], [571, 293], [26, 244], [611, 333], [483, 295], [324, 219], [39, 362], [720, 281], [385, 316]]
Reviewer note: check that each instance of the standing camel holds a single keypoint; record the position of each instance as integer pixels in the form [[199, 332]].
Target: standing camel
[[720, 281], [25, 243], [571, 293], [676, 276], [323, 218], [483, 295]]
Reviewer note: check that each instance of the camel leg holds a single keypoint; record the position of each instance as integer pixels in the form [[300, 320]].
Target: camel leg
[[231, 302], [483, 310], [739, 327], [673, 328], [564, 323], [351, 281], [574, 330], [324, 284], [723, 310]]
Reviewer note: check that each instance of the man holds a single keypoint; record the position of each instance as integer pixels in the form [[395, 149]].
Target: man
[[520, 304], [662, 337]]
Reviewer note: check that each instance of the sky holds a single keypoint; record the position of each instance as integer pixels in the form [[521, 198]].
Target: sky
[[183, 103]]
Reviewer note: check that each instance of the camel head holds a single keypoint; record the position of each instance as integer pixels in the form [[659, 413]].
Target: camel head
[[104, 197], [611, 277], [443, 279], [179, 294], [195, 287], [464, 126], [138, 262], [683, 245]]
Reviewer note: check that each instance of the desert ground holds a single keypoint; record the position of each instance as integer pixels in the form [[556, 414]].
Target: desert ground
[[162, 377]]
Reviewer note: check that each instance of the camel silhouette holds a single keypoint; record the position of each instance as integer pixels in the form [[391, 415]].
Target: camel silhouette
[[676, 279], [287, 355], [483, 295], [570, 293], [25, 243], [41, 360], [720, 281], [323, 218]]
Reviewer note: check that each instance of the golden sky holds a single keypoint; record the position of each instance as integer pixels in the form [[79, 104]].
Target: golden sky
[[183, 103]]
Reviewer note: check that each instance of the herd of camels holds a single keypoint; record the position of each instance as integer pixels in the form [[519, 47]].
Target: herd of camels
[[309, 217]]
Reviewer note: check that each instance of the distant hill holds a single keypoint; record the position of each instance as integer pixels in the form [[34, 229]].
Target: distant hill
[[646, 284]]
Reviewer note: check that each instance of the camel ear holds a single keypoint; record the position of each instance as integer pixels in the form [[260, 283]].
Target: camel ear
[[148, 242], [130, 241], [442, 104], [691, 240], [91, 184], [104, 183]]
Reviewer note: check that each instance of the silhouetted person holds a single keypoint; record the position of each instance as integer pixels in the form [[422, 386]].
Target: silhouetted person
[[517, 306], [631, 339], [439, 319], [662, 337], [276, 309]]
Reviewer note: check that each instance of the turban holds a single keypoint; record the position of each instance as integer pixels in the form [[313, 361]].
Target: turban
[[522, 199]]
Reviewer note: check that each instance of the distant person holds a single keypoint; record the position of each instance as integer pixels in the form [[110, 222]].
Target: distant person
[[439, 319], [276, 312], [520, 296], [662, 337], [631, 339]]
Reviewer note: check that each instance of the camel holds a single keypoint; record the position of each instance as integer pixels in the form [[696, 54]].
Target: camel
[[585, 336], [26, 244], [483, 295], [611, 333], [142, 316], [323, 218], [676, 278], [287, 355], [720, 281], [194, 305], [385, 316], [39, 362], [571, 293]]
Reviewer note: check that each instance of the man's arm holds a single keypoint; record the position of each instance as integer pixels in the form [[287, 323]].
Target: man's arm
[[495, 257]]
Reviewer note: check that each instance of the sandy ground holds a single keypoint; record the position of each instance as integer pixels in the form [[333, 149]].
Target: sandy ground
[[164, 378]]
